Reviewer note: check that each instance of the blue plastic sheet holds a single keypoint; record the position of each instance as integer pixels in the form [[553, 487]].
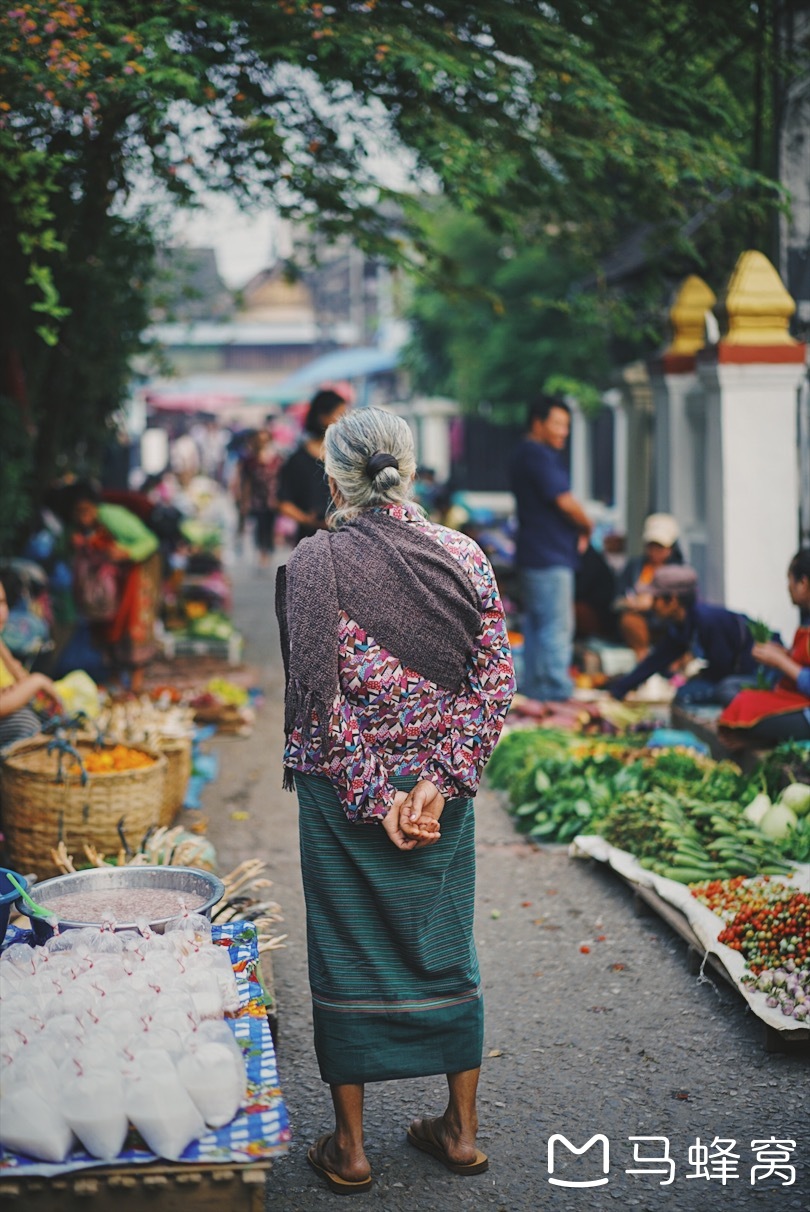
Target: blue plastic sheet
[[670, 738]]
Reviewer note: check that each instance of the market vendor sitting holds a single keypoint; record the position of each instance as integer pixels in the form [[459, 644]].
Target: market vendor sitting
[[636, 618], [718, 636], [18, 691], [783, 712]]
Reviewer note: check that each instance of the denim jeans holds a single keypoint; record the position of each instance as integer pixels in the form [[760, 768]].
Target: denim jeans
[[699, 691], [548, 628]]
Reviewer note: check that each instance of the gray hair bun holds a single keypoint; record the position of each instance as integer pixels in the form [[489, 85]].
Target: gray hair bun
[[378, 462]]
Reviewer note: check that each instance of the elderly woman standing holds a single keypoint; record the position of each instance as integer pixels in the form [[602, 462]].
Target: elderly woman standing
[[399, 675]]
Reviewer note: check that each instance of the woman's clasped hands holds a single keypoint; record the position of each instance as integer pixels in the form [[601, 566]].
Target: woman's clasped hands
[[413, 821]]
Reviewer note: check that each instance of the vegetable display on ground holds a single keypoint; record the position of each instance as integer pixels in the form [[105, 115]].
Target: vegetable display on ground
[[768, 923], [682, 815]]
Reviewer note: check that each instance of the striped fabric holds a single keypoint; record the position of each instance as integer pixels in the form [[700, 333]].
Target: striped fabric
[[18, 727], [392, 963]]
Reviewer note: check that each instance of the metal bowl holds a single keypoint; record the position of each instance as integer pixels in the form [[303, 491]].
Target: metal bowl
[[169, 879]]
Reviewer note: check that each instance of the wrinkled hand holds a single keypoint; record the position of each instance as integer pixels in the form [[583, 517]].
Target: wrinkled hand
[[420, 813], [770, 654], [420, 832]]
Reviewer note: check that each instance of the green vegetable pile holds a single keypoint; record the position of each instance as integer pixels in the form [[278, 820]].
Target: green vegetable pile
[[680, 814], [212, 625]]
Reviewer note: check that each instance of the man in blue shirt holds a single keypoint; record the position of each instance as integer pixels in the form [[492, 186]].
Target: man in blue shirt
[[719, 636], [553, 530]]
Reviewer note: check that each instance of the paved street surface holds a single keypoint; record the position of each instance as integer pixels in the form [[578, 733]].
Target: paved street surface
[[619, 1040]]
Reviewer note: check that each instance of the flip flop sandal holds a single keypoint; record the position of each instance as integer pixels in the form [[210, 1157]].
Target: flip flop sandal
[[341, 1186], [429, 1143]]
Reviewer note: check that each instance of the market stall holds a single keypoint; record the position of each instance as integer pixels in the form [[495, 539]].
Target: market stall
[[722, 855], [180, 1093], [197, 600]]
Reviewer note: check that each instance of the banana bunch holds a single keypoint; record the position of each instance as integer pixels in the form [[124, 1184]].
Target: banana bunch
[[710, 842]]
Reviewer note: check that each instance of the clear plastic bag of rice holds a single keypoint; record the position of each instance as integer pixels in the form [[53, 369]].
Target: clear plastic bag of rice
[[11, 978], [33, 1125], [216, 1081], [194, 926], [21, 956], [93, 1106], [217, 960], [164, 1113], [62, 1030], [34, 1069], [204, 987], [104, 941], [176, 1010]]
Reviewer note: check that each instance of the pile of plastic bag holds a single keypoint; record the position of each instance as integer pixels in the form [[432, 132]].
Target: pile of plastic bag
[[101, 1029]]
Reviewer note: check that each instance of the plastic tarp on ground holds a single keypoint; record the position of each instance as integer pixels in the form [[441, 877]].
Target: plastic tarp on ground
[[705, 924]]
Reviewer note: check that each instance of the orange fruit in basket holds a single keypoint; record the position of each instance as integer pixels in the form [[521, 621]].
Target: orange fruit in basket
[[117, 759]]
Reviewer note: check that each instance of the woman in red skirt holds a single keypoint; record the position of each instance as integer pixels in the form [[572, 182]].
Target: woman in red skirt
[[781, 714]]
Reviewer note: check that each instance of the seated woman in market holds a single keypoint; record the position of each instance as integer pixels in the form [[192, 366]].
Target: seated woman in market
[[18, 690], [636, 618], [399, 676], [718, 636], [116, 571], [782, 713]]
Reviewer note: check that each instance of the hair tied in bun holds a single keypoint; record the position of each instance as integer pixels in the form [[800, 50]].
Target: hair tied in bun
[[378, 462]]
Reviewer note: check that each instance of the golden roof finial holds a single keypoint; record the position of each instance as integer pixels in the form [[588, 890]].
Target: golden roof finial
[[688, 316], [756, 306]]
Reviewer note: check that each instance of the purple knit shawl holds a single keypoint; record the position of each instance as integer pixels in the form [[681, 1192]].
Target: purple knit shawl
[[397, 583]]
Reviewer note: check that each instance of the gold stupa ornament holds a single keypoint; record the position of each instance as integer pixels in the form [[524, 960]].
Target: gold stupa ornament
[[756, 307], [688, 316]]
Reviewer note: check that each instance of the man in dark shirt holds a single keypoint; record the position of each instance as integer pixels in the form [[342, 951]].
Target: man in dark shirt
[[718, 636], [303, 493], [553, 530]]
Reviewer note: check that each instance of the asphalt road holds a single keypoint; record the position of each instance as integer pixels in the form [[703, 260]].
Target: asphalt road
[[594, 1026]]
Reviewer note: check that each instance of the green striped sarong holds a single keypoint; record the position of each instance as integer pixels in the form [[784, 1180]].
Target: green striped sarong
[[392, 963]]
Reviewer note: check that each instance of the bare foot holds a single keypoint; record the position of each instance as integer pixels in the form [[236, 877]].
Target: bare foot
[[459, 1146], [350, 1165]]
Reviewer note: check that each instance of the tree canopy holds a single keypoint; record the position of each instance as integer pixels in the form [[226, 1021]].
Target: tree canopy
[[505, 324], [579, 118]]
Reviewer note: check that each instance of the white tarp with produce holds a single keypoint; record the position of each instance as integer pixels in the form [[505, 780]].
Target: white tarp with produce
[[705, 924]]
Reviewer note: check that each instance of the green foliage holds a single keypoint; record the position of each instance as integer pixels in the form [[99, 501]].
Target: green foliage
[[498, 322], [16, 480], [563, 127]]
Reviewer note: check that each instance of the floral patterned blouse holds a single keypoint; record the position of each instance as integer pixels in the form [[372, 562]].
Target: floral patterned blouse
[[388, 721]]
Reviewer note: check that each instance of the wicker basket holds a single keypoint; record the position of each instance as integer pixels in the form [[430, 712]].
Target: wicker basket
[[40, 809], [177, 751]]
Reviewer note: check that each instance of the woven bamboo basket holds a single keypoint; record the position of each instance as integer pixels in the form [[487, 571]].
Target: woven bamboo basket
[[40, 809], [177, 752]]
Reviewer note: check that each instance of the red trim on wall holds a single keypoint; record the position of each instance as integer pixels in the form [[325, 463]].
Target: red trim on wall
[[673, 364], [747, 355]]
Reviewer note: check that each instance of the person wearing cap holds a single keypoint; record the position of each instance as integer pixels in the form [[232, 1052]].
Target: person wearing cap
[[553, 532], [718, 636], [634, 604]]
